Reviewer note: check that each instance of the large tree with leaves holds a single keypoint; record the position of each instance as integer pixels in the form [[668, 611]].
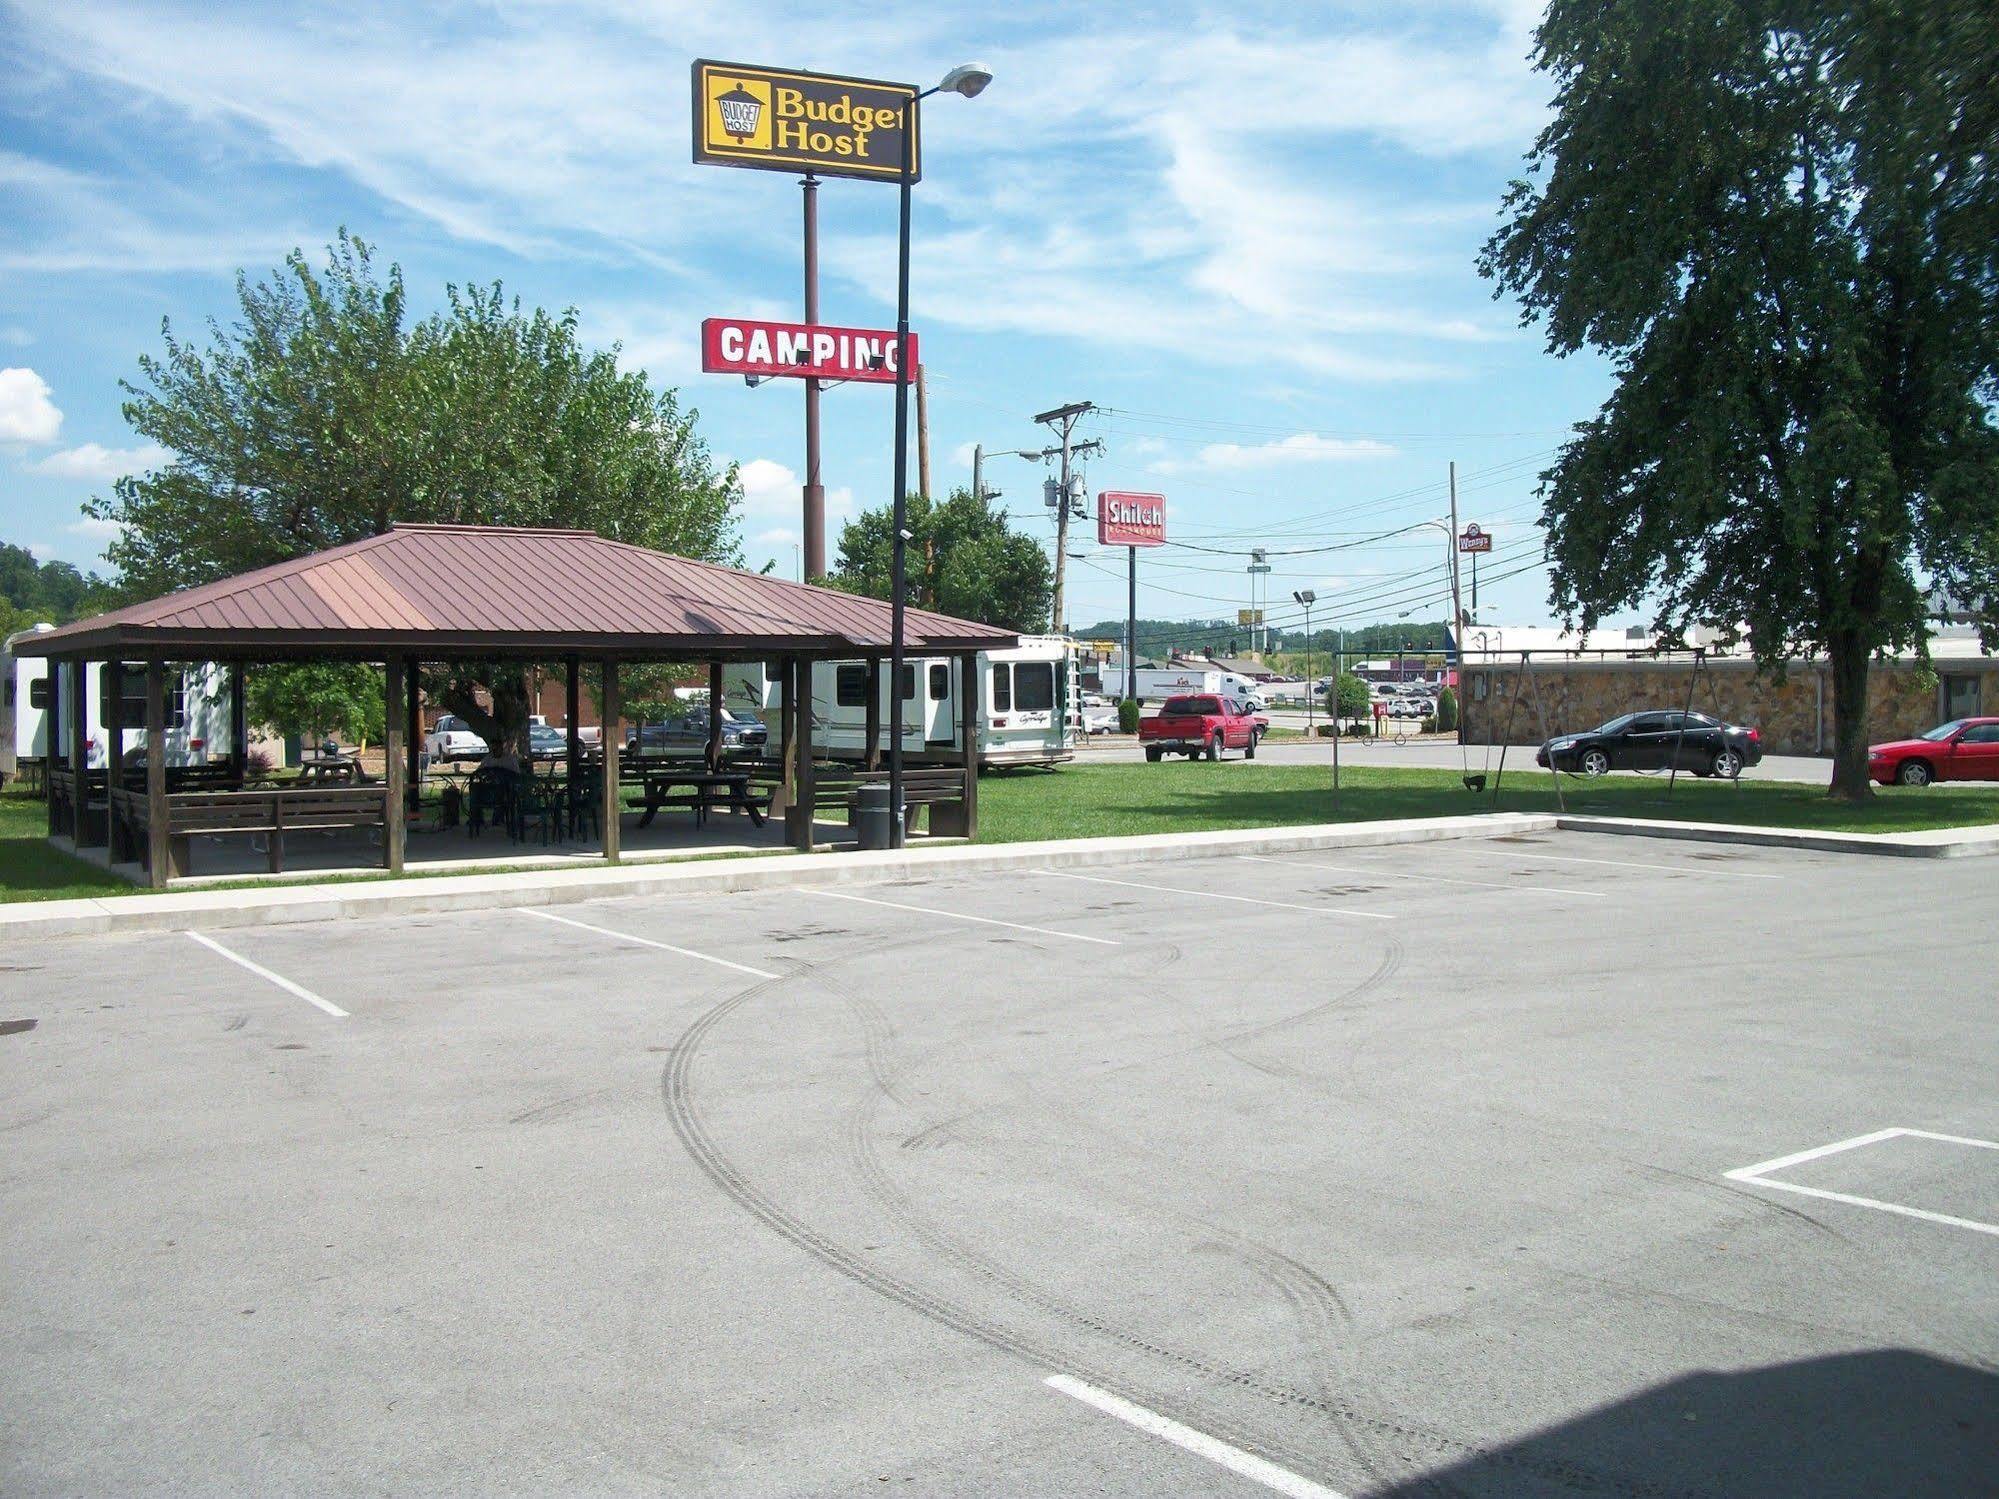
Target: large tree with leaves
[[326, 412], [963, 559], [1780, 220]]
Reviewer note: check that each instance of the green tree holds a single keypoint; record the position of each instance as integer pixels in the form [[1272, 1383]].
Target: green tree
[[1352, 699], [55, 593], [1781, 223], [325, 413], [317, 700], [1447, 711], [962, 559]]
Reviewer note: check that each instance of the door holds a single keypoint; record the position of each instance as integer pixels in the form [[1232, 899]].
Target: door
[[1647, 742], [1975, 756]]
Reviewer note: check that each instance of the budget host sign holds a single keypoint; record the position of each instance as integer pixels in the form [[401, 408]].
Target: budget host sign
[[781, 121], [1131, 520], [738, 346]]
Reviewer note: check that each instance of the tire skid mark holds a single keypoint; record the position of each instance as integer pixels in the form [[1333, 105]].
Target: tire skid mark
[[678, 1096]]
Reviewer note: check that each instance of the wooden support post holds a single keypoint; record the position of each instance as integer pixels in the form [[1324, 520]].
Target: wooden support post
[[239, 719], [395, 817], [714, 716], [158, 863], [412, 733], [871, 757], [79, 752], [609, 713], [114, 760], [968, 737], [572, 707], [798, 819], [52, 737]]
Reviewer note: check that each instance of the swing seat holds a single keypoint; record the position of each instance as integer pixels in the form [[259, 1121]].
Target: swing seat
[[1474, 784]]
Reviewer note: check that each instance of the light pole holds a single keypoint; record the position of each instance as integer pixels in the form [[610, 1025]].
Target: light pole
[[970, 80], [1308, 598]]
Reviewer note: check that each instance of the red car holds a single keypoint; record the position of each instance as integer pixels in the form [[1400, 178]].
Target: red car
[[1196, 724], [1965, 749]]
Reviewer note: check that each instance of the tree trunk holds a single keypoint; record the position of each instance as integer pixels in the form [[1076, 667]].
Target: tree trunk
[[1848, 658]]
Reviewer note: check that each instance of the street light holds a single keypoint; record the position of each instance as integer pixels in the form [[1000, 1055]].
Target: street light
[[1308, 598], [979, 456], [969, 80]]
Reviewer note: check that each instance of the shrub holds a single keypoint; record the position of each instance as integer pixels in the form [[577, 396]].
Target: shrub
[[1447, 711], [1127, 715], [1352, 699]]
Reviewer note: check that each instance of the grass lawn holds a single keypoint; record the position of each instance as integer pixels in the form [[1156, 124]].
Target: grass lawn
[[1185, 796], [31, 870]]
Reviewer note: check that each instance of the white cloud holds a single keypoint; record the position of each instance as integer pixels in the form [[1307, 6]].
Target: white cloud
[[18, 338], [767, 484], [27, 414], [1298, 448], [94, 461], [96, 528]]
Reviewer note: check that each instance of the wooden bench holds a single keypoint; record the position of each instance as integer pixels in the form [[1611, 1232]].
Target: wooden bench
[[939, 788], [266, 813]]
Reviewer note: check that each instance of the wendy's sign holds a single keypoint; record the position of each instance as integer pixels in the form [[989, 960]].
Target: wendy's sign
[[1131, 520], [742, 346]]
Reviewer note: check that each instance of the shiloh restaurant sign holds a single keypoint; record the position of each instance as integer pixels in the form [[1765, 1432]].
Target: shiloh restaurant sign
[[1131, 520], [740, 346], [783, 121]]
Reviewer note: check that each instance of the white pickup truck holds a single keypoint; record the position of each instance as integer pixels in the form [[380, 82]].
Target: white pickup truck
[[453, 739]]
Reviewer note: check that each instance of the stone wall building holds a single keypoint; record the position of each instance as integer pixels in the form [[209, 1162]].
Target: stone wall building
[[1793, 715]]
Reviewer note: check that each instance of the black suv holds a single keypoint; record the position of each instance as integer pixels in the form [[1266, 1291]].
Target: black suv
[[687, 733]]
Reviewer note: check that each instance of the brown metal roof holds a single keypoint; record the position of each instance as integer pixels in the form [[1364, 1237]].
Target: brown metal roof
[[460, 590]]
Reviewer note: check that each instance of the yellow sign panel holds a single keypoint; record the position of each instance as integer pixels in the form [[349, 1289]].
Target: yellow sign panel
[[1249, 616], [782, 121]]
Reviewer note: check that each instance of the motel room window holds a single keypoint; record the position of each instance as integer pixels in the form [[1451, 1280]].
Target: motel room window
[[1478, 688], [850, 686], [1034, 686], [940, 682], [1002, 688]]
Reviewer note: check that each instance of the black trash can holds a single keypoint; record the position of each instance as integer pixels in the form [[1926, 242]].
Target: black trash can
[[877, 818]]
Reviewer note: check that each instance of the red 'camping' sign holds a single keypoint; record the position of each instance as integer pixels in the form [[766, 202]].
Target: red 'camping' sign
[[742, 346], [1131, 520]]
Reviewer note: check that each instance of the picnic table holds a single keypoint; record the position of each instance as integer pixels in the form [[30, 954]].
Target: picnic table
[[330, 770], [659, 781]]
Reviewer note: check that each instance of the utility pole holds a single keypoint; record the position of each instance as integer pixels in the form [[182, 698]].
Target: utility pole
[[1457, 612], [922, 435], [1063, 419]]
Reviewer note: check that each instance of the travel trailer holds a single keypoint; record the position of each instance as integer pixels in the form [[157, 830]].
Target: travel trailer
[[197, 711], [1029, 704]]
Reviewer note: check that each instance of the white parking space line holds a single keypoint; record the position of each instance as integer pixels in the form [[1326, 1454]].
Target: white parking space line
[[1757, 1176], [1428, 879], [1246, 1464], [1248, 900], [1514, 853], [685, 952], [1013, 926], [275, 978]]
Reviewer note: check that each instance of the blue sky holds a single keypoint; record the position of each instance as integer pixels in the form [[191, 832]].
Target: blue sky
[[1248, 232]]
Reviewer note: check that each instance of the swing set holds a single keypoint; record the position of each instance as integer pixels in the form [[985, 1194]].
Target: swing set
[[1476, 783]]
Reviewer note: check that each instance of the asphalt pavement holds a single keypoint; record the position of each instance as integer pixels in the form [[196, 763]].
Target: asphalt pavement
[[1440, 754], [1549, 1165]]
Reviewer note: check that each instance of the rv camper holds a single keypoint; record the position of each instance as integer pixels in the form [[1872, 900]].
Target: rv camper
[[1029, 704], [197, 711]]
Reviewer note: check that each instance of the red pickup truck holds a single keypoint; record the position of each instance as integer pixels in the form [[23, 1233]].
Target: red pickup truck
[[1199, 724]]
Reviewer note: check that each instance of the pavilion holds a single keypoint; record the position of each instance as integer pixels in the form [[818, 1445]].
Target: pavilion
[[418, 594]]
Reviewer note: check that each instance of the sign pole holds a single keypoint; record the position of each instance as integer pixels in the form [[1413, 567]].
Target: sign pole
[[815, 489], [1131, 623]]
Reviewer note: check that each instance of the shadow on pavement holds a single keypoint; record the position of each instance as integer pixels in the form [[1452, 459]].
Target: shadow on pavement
[[1887, 1422]]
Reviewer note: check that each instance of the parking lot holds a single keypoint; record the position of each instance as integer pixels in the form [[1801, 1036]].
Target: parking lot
[[1557, 1165]]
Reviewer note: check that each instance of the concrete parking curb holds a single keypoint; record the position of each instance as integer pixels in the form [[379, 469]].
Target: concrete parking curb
[[210, 910], [1934, 843]]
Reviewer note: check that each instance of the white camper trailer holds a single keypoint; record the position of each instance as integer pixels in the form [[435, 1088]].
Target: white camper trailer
[[1029, 704], [197, 711]]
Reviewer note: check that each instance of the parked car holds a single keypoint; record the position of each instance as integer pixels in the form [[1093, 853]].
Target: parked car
[[1411, 707], [453, 739], [1099, 714], [1965, 749], [687, 733], [545, 743], [1199, 724], [1646, 741]]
